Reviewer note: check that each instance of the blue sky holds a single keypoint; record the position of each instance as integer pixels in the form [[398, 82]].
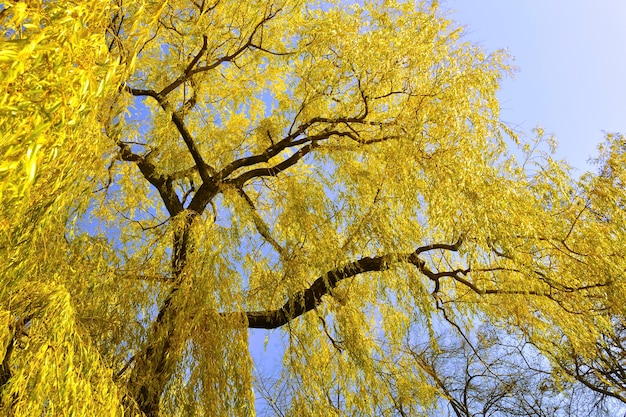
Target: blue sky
[[571, 56]]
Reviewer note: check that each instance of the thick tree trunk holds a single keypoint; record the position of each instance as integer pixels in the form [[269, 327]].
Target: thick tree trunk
[[154, 365]]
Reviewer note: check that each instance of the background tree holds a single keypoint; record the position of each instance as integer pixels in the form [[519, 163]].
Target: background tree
[[498, 374], [336, 172]]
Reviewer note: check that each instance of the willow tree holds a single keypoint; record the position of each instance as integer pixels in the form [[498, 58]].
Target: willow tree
[[206, 167], [55, 76]]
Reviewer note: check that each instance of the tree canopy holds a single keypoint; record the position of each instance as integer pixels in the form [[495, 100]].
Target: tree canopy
[[175, 173]]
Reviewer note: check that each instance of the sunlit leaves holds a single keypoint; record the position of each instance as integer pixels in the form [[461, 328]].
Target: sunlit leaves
[[171, 168]]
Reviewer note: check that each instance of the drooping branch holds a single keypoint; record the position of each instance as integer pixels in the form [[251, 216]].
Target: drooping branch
[[16, 330], [460, 408], [309, 298], [306, 300]]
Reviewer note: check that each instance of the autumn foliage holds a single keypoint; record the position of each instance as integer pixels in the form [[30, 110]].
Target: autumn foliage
[[175, 173]]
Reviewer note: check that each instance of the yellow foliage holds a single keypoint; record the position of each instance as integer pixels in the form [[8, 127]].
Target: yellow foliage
[[172, 173]]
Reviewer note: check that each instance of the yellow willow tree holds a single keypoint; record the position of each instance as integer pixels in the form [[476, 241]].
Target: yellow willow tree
[[195, 169], [56, 74]]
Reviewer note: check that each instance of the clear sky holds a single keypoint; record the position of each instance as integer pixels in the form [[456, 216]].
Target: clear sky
[[571, 56]]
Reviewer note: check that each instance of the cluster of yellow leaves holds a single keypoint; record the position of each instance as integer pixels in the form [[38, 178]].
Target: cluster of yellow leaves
[[56, 78], [57, 372], [55, 70]]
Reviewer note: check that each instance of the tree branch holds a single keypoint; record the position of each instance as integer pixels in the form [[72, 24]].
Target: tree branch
[[203, 197], [261, 226], [274, 170], [162, 184], [191, 71], [306, 300], [204, 169], [288, 142], [309, 298], [188, 71], [138, 92]]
